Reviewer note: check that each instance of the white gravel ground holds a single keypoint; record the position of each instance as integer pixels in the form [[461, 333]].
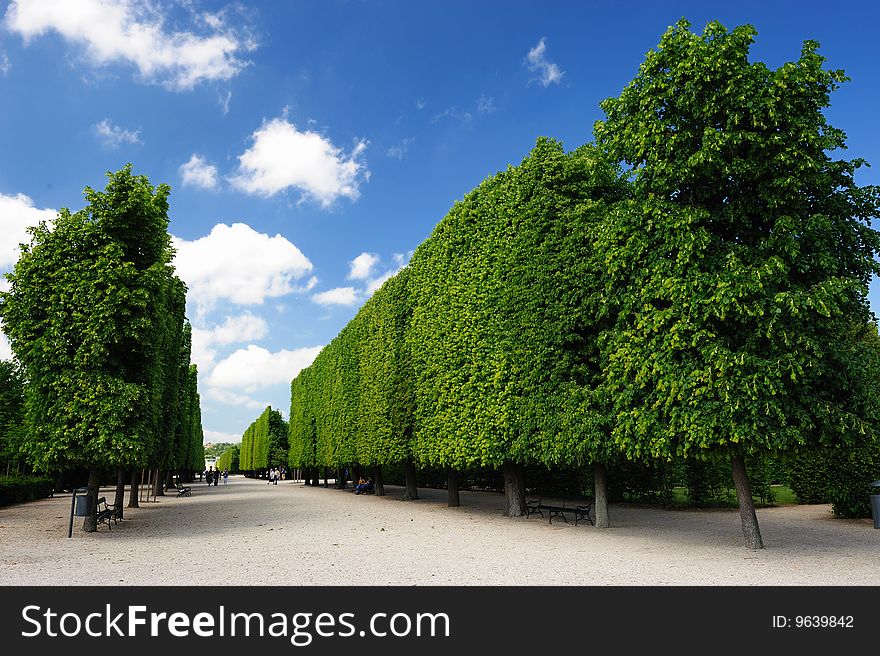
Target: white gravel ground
[[249, 533]]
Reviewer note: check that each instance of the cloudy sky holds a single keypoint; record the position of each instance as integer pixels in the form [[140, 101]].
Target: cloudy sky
[[311, 146]]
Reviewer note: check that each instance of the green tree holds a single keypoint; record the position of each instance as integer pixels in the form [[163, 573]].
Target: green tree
[[302, 429], [506, 297], [385, 382], [87, 317], [742, 262], [12, 429]]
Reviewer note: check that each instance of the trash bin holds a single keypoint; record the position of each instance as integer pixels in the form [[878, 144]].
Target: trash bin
[[875, 503], [83, 507]]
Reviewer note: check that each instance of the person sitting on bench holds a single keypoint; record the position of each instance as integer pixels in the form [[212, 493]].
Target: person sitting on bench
[[361, 484]]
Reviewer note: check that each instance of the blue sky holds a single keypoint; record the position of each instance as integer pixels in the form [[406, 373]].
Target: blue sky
[[311, 146]]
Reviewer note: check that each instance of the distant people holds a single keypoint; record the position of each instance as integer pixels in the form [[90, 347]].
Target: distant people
[[361, 484], [209, 476], [283, 473], [216, 477], [368, 486], [270, 474], [225, 476]]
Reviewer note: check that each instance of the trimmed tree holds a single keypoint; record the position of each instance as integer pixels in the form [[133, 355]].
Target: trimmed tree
[[742, 263], [84, 318]]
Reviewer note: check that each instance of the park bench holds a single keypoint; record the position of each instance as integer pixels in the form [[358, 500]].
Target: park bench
[[106, 512], [580, 512]]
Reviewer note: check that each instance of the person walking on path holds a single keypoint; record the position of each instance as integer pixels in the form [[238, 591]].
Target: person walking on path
[[225, 476]]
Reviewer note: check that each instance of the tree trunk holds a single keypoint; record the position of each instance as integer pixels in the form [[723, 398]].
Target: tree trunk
[[600, 492], [378, 485], [119, 501], [133, 501], [133, 492], [159, 490], [453, 499], [90, 523], [751, 530], [514, 490], [169, 479], [316, 477], [411, 493], [326, 477]]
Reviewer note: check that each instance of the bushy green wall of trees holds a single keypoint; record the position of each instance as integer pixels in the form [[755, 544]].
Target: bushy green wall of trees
[[95, 316], [265, 443], [691, 287]]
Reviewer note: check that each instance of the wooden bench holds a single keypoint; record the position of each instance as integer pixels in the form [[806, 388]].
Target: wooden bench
[[106, 512], [580, 512]]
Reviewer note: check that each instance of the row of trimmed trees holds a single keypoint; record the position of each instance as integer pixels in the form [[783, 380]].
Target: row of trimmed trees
[[692, 285], [263, 445], [96, 317]]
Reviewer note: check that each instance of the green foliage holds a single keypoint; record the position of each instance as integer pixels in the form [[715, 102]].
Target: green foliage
[[12, 394], [95, 315], [504, 317], [217, 449], [303, 426], [740, 266], [16, 489], [385, 377], [808, 476], [710, 303], [265, 442], [839, 477], [229, 459]]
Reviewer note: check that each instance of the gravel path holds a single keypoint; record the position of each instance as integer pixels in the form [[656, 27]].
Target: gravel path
[[248, 532]]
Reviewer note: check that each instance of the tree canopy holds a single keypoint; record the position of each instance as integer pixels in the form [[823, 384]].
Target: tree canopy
[[95, 316]]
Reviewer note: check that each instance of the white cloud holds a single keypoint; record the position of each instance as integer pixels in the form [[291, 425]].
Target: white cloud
[[401, 260], [238, 329], [243, 328], [231, 398], [453, 112], [5, 66], [337, 296], [538, 62], [398, 151], [484, 105], [282, 157], [5, 349], [127, 31], [224, 102], [362, 266], [17, 213], [254, 367], [217, 437], [238, 264], [198, 172], [375, 283], [114, 136]]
